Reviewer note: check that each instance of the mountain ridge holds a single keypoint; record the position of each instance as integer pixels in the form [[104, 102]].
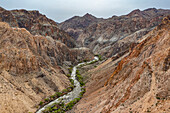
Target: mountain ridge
[[103, 36], [36, 23]]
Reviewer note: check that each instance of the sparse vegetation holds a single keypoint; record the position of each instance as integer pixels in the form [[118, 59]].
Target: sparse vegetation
[[83, 90], [52, 96], [41, 103], [70, 69], [84, 60], [158, 98], [61, 107], [55, 96], [68, 75], [72, 81], [47, 99], [93, 62], [79, 78], [100, 57], [64, 91], [58, 94]]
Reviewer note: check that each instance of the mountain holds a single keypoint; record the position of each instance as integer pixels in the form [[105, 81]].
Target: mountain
[[135, 82], [105, 36], [36, 23], [75, 25], [131, 76], [32, 68]]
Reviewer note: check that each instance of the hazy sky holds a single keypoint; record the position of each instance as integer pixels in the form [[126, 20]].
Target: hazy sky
[[60, 10]]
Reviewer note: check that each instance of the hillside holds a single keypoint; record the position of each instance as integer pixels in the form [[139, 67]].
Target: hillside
[[36, 24], [139, 83], [32, 68]]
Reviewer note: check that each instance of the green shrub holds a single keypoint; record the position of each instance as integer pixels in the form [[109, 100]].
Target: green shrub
[[41, 103], [64, 91], [68, 75], [53, 96], [80, 79], [70, 70], [72, 86], [77, 72], [55, 108], [82, 84], [47, 110], [72, 81], [47, 99], [77, 100], [84, 60], [70, 105], [158, 98], [58, 94], [83, 90]]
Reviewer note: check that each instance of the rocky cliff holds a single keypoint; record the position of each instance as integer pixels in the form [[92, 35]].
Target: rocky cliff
[[36, 23], [32, 68], [138, 80], [105, 36]]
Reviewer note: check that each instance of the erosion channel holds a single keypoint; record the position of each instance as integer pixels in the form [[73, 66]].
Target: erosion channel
[[74, 93]]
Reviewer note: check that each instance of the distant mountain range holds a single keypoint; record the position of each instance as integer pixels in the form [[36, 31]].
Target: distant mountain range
[[105, 36]]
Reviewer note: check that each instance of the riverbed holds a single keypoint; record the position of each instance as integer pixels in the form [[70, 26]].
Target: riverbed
[[74, 93]]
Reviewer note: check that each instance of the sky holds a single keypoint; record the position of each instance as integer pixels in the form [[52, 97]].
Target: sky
[[61, 10]]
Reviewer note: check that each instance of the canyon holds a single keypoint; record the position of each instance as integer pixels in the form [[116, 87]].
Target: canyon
[[32, 67], [135, 82], [131, 76]]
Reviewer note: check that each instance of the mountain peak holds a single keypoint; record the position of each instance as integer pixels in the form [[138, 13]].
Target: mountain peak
[[89, 15], [136, 11], [149, 9]]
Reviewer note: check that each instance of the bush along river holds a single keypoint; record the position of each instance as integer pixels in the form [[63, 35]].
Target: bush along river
[[67, 101]]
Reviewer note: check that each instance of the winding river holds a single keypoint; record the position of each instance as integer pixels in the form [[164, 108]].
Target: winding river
[[74, 93]]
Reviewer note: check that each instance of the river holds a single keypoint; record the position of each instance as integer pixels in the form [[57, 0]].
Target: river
[[74, 93]]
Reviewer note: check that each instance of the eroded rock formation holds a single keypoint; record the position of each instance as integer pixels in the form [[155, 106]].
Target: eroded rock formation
[[32, 68], [36, 23], [139, 83]]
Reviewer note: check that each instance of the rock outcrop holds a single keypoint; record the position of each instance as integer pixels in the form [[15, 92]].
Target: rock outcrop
[[36, 23], [32, 68], [139, 83]]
